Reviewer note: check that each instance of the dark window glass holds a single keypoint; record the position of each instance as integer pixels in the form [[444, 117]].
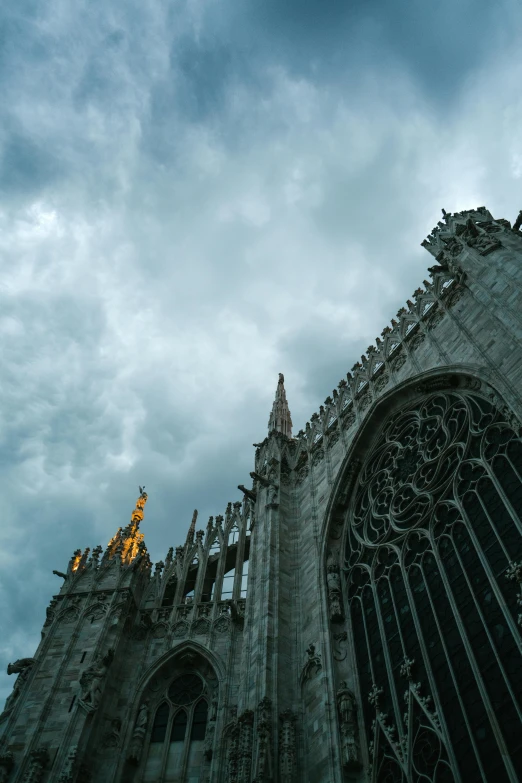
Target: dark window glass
[[159, 728], [179, 727], [199, 721], [186, 689]]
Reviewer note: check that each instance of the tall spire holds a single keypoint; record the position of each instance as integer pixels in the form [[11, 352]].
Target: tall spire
[[280, 419], [128, 542]]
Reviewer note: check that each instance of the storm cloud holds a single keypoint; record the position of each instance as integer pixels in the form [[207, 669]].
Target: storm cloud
[[193, 198]]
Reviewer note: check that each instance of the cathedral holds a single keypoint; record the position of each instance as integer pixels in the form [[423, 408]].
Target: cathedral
[[355, 615]]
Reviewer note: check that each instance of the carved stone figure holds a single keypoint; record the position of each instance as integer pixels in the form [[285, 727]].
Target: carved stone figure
[[246, 722], [313, 663], [334, 589], [347, 714], [287, 748], [264, 752], [92, 681], [22, 667], [211, 730], [39, 760], [67, 773], [138, 735]]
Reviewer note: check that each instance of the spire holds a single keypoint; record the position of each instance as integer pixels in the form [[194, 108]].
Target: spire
[[128, 542], [192, 529], [280, 419]]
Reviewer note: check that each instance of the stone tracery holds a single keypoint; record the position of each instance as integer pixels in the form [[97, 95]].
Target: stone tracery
[[437, 494]]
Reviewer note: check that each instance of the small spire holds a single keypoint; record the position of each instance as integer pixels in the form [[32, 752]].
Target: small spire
[[192, 529], [280, 419]]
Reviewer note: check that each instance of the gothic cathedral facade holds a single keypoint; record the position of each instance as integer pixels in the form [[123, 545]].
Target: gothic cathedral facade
[[356, 616]]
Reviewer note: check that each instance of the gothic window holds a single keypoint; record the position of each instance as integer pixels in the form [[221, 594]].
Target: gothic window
[[434, 524], [228, 584], [170, 592], [190, 582], [177, 738], [244, 579]]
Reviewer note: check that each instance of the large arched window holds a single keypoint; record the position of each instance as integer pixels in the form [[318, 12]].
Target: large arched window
[[435, 522], [177, 739]]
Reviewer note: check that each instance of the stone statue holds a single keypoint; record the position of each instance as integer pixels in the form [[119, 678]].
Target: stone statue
[[347, 713], [92, 680], [138, 735]]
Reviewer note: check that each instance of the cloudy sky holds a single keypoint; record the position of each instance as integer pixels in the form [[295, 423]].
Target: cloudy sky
[[194, 196]]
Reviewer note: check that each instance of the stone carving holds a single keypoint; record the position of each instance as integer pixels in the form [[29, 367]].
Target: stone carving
[[211, 730], [287, 748], [231, 733], [347, 715], [246, 723], [111, 739], [138, 735], [514, 574], [334, 588], [398, 362], [317, 456], [303, 473], [264, 752], [50, 613], [453, 247], [201, 627], [483, 243], [364, 401], [313, 664], [334, 437], [67, 773], [144, 626], [22, 667], [237, 611], [418, 340], [340, 651], [222, 624], [382, 381], [435, 319], [180, 629], [93, 680], [6, 765], [38, 761], [456, 295], [348, 421], [272, 495], [159, 631]]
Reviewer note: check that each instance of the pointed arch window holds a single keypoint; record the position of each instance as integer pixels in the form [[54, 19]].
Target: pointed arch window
[[177, 739], [434, 524]]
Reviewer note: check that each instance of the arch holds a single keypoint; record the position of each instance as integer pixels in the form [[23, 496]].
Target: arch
[[177, 691], [428, 524]]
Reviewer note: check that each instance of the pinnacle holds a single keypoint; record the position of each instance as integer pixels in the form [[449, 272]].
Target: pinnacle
[[280, 419]]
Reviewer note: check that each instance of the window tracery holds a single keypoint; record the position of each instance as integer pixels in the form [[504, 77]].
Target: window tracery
[[434, 524], [177, 750]]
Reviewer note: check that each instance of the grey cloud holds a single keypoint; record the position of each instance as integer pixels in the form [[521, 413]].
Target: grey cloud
[[240, 192]]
